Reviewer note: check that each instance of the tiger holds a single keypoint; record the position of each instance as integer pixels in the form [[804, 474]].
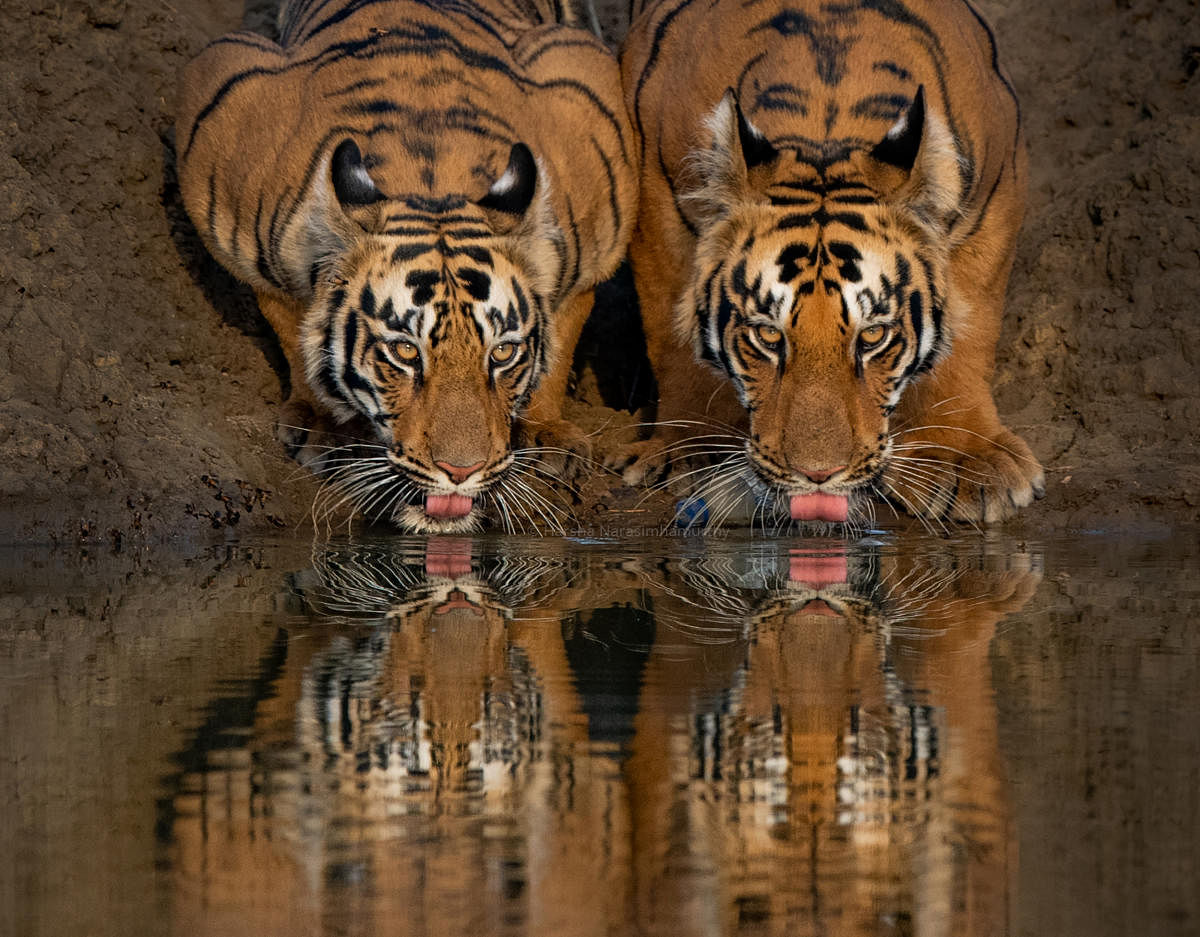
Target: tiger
[[830, 201], [852, 754], [422, 195]]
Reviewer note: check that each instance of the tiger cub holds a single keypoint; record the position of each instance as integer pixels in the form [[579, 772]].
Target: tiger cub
[[421, 195], [830, 200]]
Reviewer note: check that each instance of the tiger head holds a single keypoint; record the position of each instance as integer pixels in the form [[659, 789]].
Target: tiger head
[[428, 320], [818, 290]]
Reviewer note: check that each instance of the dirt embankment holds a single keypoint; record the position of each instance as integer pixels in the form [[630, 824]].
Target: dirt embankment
[[138, 383]]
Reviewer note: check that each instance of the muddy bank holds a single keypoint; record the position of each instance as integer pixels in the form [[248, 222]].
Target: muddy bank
[[138, 383]]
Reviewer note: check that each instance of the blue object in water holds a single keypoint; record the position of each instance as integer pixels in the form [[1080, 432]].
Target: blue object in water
[[691, 512]]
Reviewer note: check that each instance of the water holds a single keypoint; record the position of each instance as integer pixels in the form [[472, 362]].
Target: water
[[675, 737]]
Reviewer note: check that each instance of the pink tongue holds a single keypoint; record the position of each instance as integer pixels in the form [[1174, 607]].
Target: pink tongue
[[820, 507], [443, 506]]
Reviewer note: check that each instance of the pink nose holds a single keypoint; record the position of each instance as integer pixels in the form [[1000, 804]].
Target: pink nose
[[816, 476], [459, 473]]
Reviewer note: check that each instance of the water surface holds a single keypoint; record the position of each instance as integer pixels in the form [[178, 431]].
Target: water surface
[[676, 736]]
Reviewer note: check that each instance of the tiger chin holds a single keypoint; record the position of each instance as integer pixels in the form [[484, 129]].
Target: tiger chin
[[830, 206], [422, 198]]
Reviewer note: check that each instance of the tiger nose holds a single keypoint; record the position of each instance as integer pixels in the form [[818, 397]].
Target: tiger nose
[[816, 476], [459, 473]]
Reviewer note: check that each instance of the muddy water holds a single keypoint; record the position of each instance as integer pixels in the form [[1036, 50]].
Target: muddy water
[[675, 737]]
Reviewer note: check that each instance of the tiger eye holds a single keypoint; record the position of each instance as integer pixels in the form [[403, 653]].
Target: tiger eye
[[504, 352], [406, 351], [768, 334], [872, 335]]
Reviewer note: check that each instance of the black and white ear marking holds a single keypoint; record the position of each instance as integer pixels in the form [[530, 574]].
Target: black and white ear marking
[[756, 149], [899, 148], [514, 190], [351, 182]]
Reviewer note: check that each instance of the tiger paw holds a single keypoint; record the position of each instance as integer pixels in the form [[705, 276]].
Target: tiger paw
[[556, 450], [646, 462], [307, 435], [959, 475]]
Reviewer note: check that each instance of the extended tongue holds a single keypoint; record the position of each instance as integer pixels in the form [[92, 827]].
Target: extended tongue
[[820, 507], [447, 506]]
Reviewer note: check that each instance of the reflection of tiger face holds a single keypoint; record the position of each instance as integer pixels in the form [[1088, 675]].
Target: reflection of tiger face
[[421, 197], [834, 189]]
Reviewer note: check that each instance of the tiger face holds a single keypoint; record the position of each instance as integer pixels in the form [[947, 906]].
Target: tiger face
[[431, 327], [818, 292]]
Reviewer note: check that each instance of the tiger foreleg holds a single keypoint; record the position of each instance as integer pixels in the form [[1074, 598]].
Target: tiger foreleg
[[697, 414], [952, 459], [552, 446], [302, 426]]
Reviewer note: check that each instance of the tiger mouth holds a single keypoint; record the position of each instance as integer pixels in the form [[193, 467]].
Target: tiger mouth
[[814, 505], [424, 511], [820, 506], [448, 507]]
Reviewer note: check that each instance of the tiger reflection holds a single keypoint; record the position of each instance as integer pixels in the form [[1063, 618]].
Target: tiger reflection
[[387, 746], [850, 780], [811, 747]]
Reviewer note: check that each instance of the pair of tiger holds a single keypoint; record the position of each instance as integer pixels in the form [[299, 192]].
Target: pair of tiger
[[819, 202]]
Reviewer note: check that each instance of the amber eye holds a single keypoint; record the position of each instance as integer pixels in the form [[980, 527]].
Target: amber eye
[[504, 352], [405, 351], [768, 334], [872, 335]]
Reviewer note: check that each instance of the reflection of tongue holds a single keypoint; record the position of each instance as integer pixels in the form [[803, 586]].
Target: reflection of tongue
[[448, 557], [820, 507], [443, 506], [817, 571]]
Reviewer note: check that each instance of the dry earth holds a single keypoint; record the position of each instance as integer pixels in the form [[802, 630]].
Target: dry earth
[[138, 382]]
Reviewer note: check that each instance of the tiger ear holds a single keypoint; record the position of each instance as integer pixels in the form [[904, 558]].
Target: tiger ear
[[352, 183], [903, 141], [354, 188], [514, 190], [917, 165], [756, 149], [518, 208], [730, 170]]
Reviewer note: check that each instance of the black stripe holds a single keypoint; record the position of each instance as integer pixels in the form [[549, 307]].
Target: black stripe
[[263, 262], [481, 255], [916, 315], [656, 47], [726, 311], [366, 301], [327, 376], [477, 283], [212, 206], [354, 380], [573, 228], [889, 107], [215, 101], [557, 43], [613, 204], [409, 252]]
